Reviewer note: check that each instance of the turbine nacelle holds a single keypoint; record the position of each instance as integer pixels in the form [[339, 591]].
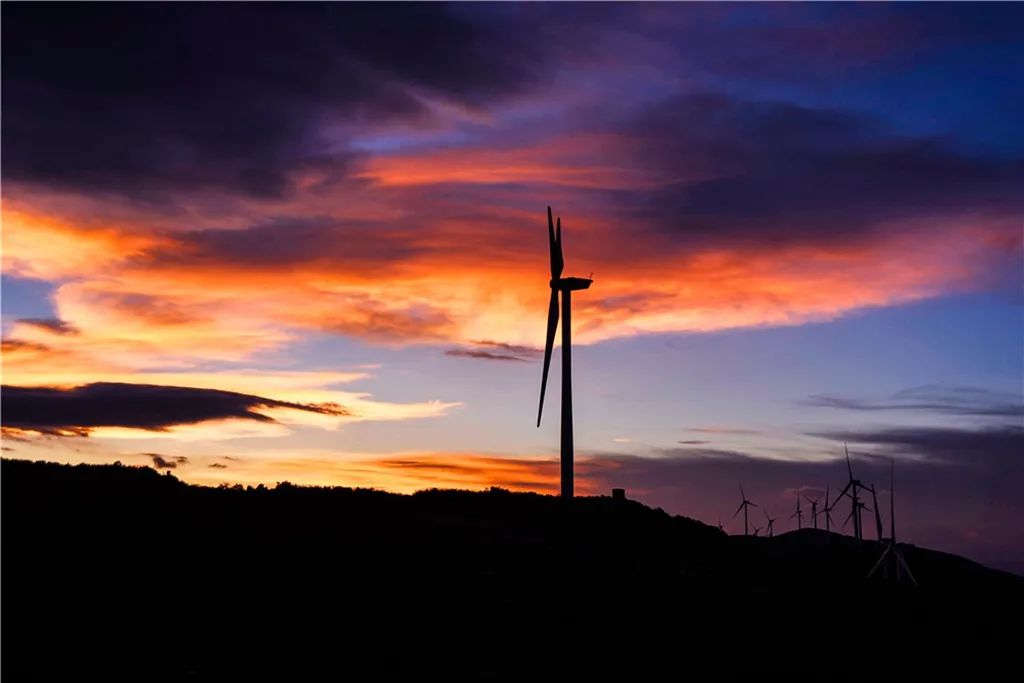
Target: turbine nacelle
[[571, 284]]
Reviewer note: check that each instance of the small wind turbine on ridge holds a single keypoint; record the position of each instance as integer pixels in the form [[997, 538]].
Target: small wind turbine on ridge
[[743, 506], [814, 509], [798, 514], [770, 531]]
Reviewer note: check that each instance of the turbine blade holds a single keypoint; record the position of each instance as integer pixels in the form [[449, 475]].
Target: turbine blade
[[849, 467], [737, 511], [557, 264], [548, 345], [903, 563]]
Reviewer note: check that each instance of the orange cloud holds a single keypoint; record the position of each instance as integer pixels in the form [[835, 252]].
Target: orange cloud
[[399, 473], [564, 162], [170, 299]]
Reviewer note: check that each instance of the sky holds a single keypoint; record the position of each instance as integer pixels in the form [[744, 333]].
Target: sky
[[307, 243]]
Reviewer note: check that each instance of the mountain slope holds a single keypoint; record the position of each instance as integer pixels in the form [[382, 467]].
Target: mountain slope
[[123, 572]]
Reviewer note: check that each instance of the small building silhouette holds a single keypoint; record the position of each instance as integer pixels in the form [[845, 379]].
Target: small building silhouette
[[618, 494]]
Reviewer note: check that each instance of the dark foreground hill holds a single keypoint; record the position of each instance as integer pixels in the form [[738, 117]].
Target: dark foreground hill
[[120, 572]]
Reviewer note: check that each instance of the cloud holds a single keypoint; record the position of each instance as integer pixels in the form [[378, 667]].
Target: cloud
[[79, 410], [52, 325], [724, 430], [491, 350], [694, 442], [384, 187], [145, 99], [162, 463], [790, 174], [931, 398], [997, 446], [217, 465]]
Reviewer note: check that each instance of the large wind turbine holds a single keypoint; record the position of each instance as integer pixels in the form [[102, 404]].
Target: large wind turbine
[[565, 285], [895, 568]]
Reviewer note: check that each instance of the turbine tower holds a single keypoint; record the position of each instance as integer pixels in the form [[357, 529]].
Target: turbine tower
[[565, 285], [743, 506], [894, 566]]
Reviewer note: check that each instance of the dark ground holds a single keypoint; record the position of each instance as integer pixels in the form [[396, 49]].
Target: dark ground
[[120, 572]]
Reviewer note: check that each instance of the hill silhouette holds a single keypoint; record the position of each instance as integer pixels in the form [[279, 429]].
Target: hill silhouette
[[120, 572]]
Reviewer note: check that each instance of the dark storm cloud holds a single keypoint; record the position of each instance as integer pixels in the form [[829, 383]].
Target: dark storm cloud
[[76, 411], [150, 98], [949, 400], [54, 325], [787, 172]]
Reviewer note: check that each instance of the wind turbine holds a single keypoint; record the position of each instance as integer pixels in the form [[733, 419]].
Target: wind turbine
[[896, 567], [565, 285], [814, 509], [878, 516], [757, 530], [720, 527], [828, 511], [743, 506], [852, 491], [770, 531], [798, 514]]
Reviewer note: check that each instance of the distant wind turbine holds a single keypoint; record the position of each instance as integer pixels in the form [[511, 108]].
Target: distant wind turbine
[[878, 515], [565, 285], [799, 514], [852, 491], [828, 511], [770, 531], [743, 506], [814, 509], [894, 566]]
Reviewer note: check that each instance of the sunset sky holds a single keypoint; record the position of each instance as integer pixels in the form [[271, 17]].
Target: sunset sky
[[257, 243]]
